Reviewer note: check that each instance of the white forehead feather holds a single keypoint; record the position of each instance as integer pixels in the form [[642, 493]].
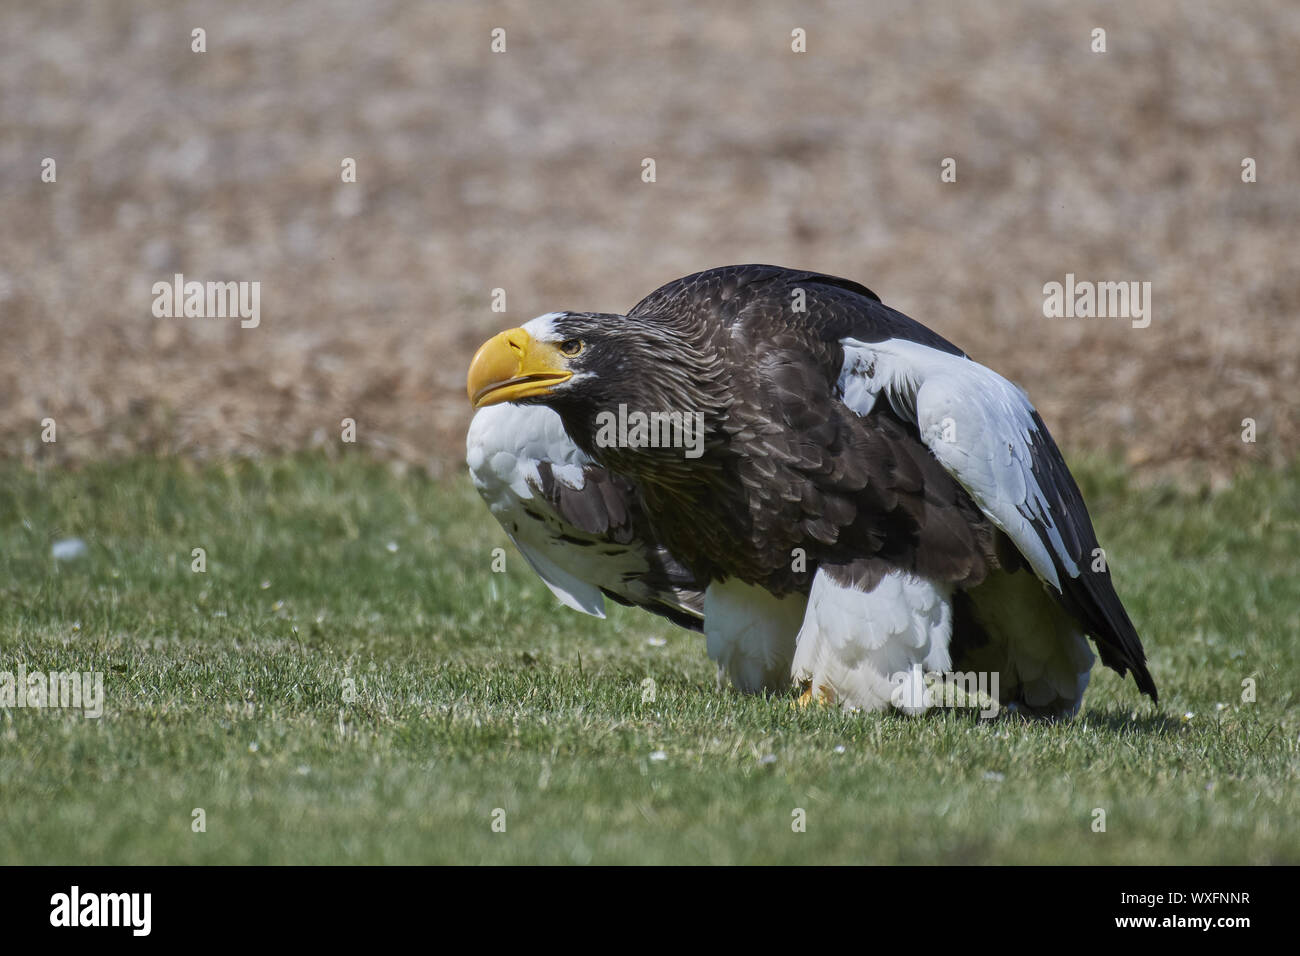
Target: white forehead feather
[[542, 328]]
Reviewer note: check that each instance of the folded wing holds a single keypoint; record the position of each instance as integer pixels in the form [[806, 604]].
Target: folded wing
[[579, 526], [987, 435]]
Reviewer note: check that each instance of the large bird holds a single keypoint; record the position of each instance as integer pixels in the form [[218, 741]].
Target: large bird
[[861, 507]]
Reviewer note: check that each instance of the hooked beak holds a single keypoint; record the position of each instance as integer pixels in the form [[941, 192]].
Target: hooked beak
[[511, 366]]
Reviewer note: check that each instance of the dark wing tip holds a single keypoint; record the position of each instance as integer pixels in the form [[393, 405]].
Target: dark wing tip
[[1090, 597]]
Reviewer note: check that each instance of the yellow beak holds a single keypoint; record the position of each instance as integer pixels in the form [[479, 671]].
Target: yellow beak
[[511, 366]]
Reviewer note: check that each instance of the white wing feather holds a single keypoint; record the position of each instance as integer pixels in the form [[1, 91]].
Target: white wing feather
[[976, 423]]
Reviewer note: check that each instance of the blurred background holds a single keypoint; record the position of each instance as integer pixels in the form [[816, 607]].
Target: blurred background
[[522, 171]]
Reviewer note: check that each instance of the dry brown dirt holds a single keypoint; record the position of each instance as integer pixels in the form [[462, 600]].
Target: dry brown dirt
[[522, 171]]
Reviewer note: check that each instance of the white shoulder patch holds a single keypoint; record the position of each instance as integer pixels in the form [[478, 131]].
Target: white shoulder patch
[[504, 445], [975, 422], [506, 449], [505, 442]]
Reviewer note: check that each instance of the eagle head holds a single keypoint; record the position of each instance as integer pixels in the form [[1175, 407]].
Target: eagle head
[[588, 365], [543, 361]]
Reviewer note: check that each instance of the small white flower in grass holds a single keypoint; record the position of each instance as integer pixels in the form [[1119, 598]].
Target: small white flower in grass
[[768, 759], [580, 854], [69, 549], [1187, 717], [252, 747], [266, 585], [994, 775], [392, 547], [278, 606], [76, 625], [840, 748], [658, 756], [1220, 706], [656, 641]]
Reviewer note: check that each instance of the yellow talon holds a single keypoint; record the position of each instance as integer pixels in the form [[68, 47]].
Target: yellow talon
[[807, 698]]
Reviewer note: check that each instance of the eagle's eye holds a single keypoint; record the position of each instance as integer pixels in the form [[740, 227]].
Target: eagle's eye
[[571, 347]]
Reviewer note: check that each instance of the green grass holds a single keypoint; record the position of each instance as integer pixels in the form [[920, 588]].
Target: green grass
[[475, 691]]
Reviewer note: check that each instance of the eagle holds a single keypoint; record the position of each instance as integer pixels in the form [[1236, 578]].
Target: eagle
[[839, 498]]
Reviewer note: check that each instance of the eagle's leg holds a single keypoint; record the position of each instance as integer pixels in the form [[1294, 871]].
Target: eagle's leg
[[864, 663], [823, 696]]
